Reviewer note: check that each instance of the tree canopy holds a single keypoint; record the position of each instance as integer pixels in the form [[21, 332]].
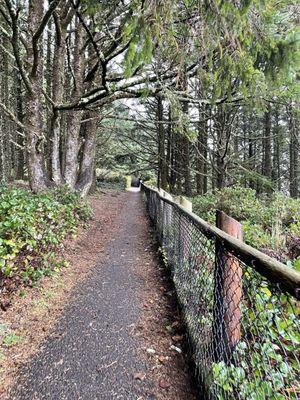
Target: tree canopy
[[225, 64]]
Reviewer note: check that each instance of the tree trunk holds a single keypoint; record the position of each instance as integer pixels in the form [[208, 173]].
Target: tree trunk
[[72, 139], [5, 122], [58, 83], [162, 164], [173, 174], [294, 149], [267, 145], [86, 175], [251, 157], [222, 144], [34, 108], [186, 167], [201, 157], [20, 162], [35, 158], [185, 159], [169, 148], [276, 175]]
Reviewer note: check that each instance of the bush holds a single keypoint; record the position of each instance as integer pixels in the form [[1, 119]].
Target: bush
[[107, 179], [264, 363], [150, 182], [32, 227], [268, 222]]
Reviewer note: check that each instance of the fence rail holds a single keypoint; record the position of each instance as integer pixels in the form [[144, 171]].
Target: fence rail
[[239, 306]]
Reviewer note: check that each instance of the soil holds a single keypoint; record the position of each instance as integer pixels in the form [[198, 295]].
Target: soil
[[106, 327]]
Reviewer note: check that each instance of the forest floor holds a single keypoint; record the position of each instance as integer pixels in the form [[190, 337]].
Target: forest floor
[[107, 327]]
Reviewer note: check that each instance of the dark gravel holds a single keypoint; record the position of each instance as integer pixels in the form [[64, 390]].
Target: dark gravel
[[92, 354]]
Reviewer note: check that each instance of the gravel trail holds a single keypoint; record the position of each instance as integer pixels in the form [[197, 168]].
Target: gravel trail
[[93, 352]]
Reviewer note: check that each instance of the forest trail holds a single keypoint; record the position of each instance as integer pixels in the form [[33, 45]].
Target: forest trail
[[111, 341]]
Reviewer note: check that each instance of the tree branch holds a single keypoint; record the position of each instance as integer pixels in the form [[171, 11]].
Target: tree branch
[[15, 44], [100, 56], [14, 119], [12, 116], [38, 33]]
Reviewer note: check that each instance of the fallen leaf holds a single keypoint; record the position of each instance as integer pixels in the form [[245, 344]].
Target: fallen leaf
[[164, 384], [162, 359], [150, 351], [139, 376], [176, 349], [177, 338]]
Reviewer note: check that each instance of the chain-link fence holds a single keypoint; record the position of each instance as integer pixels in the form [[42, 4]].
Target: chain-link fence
[[239, 306]]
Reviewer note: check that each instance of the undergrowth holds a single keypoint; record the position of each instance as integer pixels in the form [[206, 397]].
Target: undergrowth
[[270, 223], [264, 364], [32, 230]]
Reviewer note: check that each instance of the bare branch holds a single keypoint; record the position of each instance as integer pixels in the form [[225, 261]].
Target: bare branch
[[100, 56], [14, 119], [15, 39], [11, 115], [38, 33]]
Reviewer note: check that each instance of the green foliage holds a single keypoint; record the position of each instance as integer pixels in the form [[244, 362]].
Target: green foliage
[[31, 226], [140, 35], [151, 182], [296, 264], [8, 337], [108, 179], [265, 366], [105, 175], [267, 221], [251, 47], [11, 339]]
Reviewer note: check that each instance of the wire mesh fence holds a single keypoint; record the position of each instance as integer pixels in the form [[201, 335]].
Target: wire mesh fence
[[243, 328]]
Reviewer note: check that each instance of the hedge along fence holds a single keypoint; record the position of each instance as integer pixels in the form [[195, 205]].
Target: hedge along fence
[[239, 305]]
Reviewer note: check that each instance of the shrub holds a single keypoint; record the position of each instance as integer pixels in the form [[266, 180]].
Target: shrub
[[31, 226], [264, 363], [111, 180], [268, 222]]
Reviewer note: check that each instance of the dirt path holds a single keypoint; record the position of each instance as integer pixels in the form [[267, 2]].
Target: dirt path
[[116, 337]]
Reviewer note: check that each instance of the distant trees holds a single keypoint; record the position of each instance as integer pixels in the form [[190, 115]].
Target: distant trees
[[294, 150], [229, 146]]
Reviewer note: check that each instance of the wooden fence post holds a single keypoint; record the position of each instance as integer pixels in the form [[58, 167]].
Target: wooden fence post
[[128, 182], [185, 229], [227, 293], [188, 205], [168, 212]]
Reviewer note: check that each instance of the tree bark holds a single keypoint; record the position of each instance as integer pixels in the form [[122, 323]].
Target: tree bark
[[74, 116], [58, 86], [185, 158], [20, 162], [276, 174], [267, 145], [162, 163], [5, 122], [34, 107], [294, 149], [222, 147], [86, 174], [169, 147], [201, 157], [251, 156]]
